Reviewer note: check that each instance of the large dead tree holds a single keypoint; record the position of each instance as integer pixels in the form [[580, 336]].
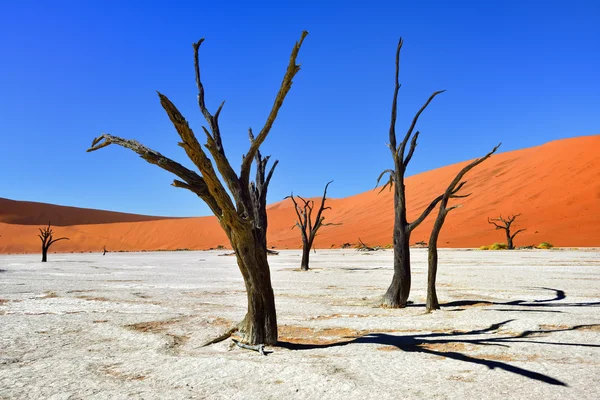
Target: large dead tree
[[399, 290], [451, 192], [308, 228], [47, 240], [238, 204], [506, 224]]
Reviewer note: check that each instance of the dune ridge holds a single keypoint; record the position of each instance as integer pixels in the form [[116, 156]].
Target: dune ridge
[[555, 186]]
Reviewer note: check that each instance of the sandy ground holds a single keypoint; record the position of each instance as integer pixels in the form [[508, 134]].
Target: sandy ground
[[520, 324]]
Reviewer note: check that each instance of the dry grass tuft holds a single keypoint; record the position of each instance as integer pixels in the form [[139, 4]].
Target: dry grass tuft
[[153, 326], [48, 295], [92, 298]]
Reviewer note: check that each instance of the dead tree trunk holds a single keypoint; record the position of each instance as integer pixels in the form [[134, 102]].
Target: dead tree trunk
[[506, 224], [308, 229], [451, 192], [47, 240], [242, 215], [399, 290]]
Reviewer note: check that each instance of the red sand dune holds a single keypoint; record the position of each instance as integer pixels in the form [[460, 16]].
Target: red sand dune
[[556, 188]]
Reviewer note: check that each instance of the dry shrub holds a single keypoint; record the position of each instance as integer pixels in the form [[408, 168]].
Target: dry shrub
[[544, 246]]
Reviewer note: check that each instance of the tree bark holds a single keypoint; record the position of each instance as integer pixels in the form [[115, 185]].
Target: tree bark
[[399, 290], [309, 228], [306, 246], [451, 192], [397, 293], [260, 323], [44, 254], [509, 241], [432, 261]]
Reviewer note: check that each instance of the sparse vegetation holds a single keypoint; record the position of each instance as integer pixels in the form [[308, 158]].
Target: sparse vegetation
[[545, 246], [495, 246]]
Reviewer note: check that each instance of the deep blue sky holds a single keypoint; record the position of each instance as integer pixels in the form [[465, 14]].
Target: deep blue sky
[[520, 72]]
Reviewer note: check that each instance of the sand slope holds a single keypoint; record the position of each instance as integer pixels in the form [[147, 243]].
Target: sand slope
[[556, 188]]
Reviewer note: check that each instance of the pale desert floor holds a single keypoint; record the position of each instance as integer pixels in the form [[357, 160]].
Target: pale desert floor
[[523, 324]]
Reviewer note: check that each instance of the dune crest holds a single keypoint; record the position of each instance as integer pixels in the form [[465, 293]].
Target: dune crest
[[556, 188]]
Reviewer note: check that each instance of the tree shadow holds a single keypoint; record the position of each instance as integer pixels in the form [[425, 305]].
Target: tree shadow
[[555, 301], [426, 342]]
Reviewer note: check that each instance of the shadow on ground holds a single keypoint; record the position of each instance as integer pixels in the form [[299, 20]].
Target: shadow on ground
[[423, 343]]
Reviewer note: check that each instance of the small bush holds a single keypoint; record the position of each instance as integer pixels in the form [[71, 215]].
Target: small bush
[[495, 246], [545, 246]]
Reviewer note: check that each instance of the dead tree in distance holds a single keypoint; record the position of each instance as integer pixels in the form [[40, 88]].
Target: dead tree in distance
[[506, 223], [450, 193], [397, 294], [242, 215], [47, 240], [308, 228]]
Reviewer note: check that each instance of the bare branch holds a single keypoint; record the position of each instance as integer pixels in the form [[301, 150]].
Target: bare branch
[[413, 145], [517, 232], [56, 240], [395, 100], [390, 182], [196, 154], [410, 227], [286, 85], [491, 221], [414, 122]]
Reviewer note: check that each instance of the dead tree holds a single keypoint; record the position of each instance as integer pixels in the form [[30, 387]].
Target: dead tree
[[506, 223], [104, 251], [47, 240], [238, 204], [399, 290], [308, 228], [363, 247], [451, 192]]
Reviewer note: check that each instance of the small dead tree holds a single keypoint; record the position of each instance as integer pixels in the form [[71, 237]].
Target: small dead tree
[[238, 204], [450, 193], [47, 240], [308, 228], [397, 294], [505, 223]]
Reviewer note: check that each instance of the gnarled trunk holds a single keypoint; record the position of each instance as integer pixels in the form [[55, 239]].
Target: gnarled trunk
[[432, 300], [305, 256], [399, 290], [260, 323], [44, 254], [509, 241]]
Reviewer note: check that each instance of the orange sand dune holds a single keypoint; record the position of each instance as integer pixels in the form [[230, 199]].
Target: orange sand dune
[[556, 188], [32, 213]]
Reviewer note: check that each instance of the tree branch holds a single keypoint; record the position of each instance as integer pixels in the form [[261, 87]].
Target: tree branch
[[395, 100], [410, 227], [413, 145], [414, 122], [285, 87], [193, 181]]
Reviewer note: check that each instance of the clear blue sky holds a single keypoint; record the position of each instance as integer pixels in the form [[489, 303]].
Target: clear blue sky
[[520, 72]]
